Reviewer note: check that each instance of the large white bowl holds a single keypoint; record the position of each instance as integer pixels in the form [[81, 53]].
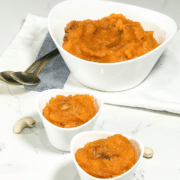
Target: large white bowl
[[59, 137], [110, 76], [83, 138]]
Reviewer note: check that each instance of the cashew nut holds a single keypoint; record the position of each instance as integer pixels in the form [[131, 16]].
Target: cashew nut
[[22, 123], [148, 152], [65, 106]]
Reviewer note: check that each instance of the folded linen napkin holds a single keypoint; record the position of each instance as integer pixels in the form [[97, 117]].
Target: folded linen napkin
[[159, 91]]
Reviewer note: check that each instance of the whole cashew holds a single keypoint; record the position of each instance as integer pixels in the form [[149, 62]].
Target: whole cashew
[[22, 123], [148, 152]]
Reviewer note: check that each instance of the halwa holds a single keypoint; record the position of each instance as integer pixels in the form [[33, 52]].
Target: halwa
[[107, 158], [70, 111], [108, 40]]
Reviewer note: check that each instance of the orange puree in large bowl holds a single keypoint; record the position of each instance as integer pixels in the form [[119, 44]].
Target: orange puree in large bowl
[[108, 40], [106, 158], [70, 111]]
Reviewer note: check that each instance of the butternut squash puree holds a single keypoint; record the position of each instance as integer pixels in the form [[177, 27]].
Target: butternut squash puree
[[106, 158], [70, 111], [108, 40]]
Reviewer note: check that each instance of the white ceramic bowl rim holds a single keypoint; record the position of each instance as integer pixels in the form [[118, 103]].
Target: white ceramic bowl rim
[[106, 132], [111, 64], [61, 90]]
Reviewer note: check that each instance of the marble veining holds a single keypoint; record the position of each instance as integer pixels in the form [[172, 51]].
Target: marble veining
[[101, 126], [36, 151], [16, 98], [139, 175], [9, 165], [139, 127], [2, 146], [165, 3], [19, 108], [31, 129]]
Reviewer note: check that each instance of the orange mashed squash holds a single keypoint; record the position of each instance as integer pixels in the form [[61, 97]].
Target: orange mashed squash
[[106, 158], [108, 40], [70, 111]]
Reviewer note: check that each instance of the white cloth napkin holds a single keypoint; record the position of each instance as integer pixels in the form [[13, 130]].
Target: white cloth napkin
[[159, 91], [23, 50]]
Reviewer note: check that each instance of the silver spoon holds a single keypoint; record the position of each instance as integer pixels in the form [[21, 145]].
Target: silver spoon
[[6, 75], [26, 78]]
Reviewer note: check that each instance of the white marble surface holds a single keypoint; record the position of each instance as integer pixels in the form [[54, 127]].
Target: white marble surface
[[30, 156]]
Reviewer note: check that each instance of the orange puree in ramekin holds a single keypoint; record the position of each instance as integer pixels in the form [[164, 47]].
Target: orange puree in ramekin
[[106, 158], [70, 111]]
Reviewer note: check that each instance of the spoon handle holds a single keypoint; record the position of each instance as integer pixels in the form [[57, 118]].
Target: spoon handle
[[44, 60], [36, 63]]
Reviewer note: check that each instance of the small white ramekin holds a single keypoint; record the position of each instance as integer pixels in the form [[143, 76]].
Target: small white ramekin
[[59, 137], [83, 138]]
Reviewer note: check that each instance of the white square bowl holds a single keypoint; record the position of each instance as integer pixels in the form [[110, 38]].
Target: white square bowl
[[110, 76], [83, 138], [60, 138]]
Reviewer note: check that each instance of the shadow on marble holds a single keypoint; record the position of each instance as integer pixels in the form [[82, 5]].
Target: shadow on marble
[[149, 110], [6, 89], [37, 137], [67, 171]]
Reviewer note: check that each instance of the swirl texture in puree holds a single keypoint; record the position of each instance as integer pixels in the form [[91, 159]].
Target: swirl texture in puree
[[106, 158], [108, 40]]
